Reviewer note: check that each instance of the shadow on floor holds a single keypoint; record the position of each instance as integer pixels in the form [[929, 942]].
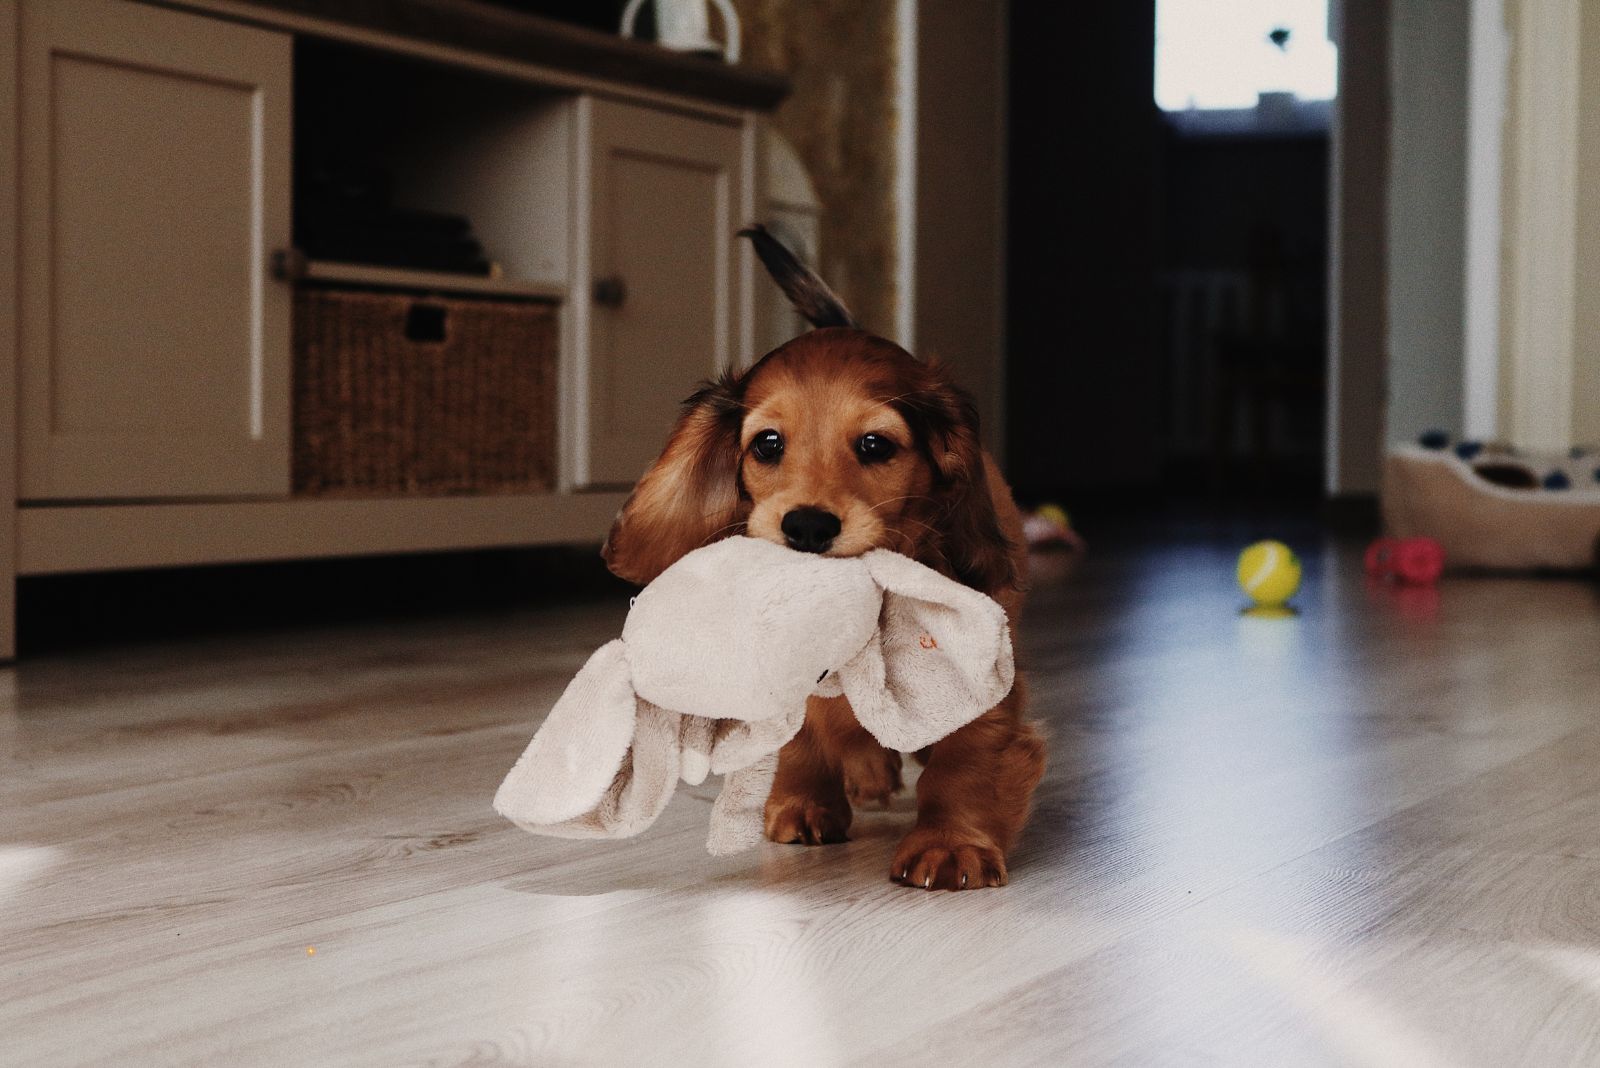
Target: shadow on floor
[[59, 613]]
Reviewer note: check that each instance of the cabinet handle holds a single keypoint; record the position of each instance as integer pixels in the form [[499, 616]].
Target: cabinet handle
[[610, 292], [288, 265]]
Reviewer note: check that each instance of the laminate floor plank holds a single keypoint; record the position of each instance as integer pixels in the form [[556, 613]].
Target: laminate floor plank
[[1462, 931], [1366, 835]]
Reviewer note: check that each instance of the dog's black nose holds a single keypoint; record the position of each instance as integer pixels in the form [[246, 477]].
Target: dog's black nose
[[810, 530]]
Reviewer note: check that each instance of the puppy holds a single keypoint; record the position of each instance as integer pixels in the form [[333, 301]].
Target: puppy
[[836, 443]]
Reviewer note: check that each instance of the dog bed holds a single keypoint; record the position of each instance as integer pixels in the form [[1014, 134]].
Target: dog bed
[[1496, 508]]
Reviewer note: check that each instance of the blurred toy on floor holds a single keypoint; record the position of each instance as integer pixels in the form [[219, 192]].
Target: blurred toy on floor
[[1269, 574], [1411, 561], [1049, 527]]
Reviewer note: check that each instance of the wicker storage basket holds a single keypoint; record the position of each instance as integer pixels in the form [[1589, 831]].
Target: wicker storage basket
[[397, 395]]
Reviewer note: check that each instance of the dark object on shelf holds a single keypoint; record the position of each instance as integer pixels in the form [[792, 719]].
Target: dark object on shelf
[[346, 214], [396, 394], [1557, 480], [1468, 449], [1434, 439]]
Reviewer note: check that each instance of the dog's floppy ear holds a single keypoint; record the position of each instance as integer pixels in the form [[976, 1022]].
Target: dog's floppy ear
[[810, 295], [690, 496], [945, 420]]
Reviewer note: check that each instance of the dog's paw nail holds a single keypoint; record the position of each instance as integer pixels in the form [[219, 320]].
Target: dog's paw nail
[[963, 882]]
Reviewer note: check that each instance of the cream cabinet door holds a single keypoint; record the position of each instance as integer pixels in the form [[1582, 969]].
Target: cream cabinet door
[[666, 195], [154, 186]]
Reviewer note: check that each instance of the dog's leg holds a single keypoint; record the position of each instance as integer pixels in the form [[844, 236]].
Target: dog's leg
[[832, 764], [808, 802], [972, 801], [871, 772]]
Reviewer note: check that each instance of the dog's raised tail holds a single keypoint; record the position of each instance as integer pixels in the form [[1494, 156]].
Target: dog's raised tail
[[810, 295]]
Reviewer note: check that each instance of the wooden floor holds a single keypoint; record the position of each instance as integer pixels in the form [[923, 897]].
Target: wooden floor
[[1369, 835]]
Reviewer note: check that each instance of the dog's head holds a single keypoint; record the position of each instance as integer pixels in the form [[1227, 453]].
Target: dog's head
[[838, 442]]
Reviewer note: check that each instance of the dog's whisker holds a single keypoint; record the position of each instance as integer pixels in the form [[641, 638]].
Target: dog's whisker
[[727, 527], [911, 543], [931, 531], [894, 500]]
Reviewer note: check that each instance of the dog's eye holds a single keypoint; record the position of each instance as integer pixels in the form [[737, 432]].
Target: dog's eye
[[768, 446], [875, 448]]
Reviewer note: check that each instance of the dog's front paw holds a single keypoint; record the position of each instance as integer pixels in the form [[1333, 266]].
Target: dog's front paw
[[803, 820], [933, 858], [871, 774]]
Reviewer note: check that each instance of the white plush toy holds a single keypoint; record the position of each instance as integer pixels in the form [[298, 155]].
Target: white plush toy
[[712, 672]]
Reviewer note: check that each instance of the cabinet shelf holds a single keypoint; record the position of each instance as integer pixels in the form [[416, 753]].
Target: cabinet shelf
[[92, 537], [429, 281]]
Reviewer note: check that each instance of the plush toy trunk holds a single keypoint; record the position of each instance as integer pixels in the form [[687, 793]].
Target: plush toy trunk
[[402, 395]]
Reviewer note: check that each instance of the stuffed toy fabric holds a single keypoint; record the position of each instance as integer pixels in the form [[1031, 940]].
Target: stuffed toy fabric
[[712, 672]]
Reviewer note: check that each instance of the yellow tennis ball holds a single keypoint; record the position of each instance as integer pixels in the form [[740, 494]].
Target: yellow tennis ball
[[1055, 513], [1269, 572]]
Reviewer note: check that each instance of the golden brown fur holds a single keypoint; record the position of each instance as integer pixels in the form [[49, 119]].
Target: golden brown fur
[[935, 496]]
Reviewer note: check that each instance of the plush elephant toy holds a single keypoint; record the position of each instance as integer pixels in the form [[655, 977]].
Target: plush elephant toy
[[712, 672]]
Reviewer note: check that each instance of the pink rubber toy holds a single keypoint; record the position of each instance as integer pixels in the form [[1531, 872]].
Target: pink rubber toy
[[1413, 561]]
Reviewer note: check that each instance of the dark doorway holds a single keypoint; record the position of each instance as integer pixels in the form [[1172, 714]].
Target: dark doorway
[[1167, 275], [1084, 411]]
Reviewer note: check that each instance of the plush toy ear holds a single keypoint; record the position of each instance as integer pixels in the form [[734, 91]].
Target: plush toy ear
[[695, 737], [736, 817], [642, 786], [575, 756], [941, 659], [747, 754], [739, 742]]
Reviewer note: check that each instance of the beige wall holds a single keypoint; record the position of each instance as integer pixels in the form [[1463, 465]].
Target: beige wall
[[1526, 368], [1358, 299], [1428, 65], [958, 294], [1550, 357], [1586, 358], [844, 120], [840, 118]]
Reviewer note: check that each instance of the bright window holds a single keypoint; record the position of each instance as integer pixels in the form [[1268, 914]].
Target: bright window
[[1225, 53]]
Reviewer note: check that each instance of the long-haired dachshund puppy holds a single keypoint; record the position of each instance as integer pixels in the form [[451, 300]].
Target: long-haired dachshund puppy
[[839, 442]]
